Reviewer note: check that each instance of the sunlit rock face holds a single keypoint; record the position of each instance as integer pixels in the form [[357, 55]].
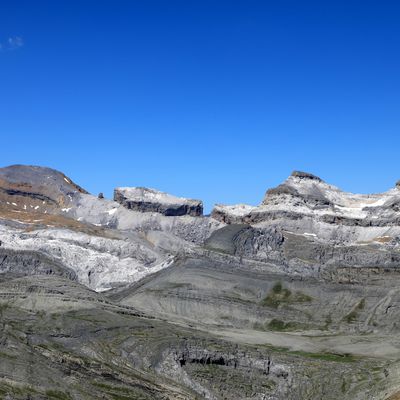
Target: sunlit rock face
[[151, 200], [305, 204], [36, 189]]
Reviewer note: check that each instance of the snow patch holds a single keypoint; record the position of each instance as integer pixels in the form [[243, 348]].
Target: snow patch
[[238, 210], [152, 196]]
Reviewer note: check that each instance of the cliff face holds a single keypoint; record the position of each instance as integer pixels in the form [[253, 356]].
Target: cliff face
[[150, 200]]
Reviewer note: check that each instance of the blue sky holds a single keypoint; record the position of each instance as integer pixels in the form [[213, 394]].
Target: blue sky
[[217, 100]]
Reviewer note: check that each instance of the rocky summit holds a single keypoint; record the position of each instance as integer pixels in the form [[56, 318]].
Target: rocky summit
[[151, 200], [143, 297]]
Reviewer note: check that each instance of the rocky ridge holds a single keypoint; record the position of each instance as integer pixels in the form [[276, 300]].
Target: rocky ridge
[[306, 204], [151, 200]]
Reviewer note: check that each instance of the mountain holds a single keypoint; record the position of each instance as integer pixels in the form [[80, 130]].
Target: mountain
[[143, 297], [151, 200], [105, 243]]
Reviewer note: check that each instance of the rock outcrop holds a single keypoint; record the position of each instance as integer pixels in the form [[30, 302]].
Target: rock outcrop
[[150, 200]]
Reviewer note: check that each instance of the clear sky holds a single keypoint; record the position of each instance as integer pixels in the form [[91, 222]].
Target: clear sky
[[217, 100]]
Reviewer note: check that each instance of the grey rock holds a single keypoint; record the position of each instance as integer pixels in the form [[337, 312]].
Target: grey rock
[[305, 175], [24, 262], [150, 200]]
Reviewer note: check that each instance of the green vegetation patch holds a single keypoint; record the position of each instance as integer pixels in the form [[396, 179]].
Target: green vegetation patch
[[58, 395], [282, 326], [81, 315], [325, 356], [353, 314], [7, 355], [16, 389], [122, 393], [283, 296]]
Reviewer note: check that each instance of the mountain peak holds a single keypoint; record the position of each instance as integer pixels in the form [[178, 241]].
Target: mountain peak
[[152, 200], [305, 175], [37, 176]]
